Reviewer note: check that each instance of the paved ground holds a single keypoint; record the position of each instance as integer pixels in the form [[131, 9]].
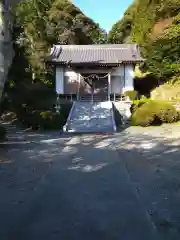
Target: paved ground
[[120, 186]]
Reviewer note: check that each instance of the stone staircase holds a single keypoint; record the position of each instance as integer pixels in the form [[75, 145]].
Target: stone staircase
[[91, 117]]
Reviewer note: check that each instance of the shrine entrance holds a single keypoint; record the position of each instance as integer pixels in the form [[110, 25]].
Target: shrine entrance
[[94, 85]]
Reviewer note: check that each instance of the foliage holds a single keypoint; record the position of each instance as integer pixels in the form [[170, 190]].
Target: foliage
[[144, 85], [164, 53], [138, 103], [40, 24], [167, 91], [155, 26], [43, 119], [2, 133], [153, 113], [140, 18], [37, 26], [138, 73], [50, 120], [143, 117], [166, 112], [121, 30], [178, 115], [133, 94]]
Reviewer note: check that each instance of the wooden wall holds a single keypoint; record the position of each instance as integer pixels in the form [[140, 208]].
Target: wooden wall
[[69, 81]]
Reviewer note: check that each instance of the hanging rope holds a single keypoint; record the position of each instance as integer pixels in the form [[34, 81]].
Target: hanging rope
[[94, 75]]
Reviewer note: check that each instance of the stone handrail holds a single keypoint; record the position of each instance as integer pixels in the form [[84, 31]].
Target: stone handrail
[[65, 127]]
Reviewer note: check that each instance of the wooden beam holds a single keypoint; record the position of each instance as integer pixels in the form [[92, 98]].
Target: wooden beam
[[124, 85], [109, 85]]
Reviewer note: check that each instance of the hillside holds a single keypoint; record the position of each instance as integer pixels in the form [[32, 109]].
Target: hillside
[[155, 26]]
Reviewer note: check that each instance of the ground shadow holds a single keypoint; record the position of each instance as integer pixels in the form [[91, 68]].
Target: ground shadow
[[86, 172]]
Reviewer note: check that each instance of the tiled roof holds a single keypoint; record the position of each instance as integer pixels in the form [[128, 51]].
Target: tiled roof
[[97, 54]]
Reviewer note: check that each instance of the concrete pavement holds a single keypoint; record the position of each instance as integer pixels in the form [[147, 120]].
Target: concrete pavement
[[70, 188]]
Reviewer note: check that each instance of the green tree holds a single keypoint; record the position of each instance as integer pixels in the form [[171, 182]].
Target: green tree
[[163, 54], [154, 25], [44, 23]]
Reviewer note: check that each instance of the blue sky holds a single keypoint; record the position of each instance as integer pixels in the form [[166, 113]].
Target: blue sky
[[104, 12]]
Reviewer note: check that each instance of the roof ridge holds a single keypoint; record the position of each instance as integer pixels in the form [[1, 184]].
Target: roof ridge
[[94, 45]]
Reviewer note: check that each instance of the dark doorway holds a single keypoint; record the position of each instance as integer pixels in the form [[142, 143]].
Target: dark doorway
[[98, 83]]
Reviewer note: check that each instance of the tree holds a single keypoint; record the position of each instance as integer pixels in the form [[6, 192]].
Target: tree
[[154, 25], [44, 23]]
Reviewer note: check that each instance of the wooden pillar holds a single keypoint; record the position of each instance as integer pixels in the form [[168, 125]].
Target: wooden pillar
[[58, 106], [79, 85], [109, 85], [124, 77]]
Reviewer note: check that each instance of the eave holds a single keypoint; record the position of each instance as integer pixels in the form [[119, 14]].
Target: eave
[[94, 64]]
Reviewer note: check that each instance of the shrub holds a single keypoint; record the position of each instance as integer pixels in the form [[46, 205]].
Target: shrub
[[138, 103], [166, 112], [42, 118], [2, 133], [133, 94], [50, 120], [46, 120], [178, 115], [153, 113], [143, 116]]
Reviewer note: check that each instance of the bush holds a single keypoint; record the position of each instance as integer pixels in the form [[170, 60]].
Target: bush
[[153, 113], [42, 118], [133, 94], [143, 116], [178, 115], [2, 133], [166, 112], [46, 120], [51, 120], [138, 103]]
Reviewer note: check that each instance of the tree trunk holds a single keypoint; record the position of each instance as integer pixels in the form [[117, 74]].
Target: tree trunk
[[1, 49], [6, 46]]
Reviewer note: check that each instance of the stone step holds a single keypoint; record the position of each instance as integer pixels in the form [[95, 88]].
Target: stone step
[[91, 117]]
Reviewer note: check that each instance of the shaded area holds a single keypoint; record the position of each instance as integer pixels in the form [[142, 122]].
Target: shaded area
[[91, 186], [73, 188]]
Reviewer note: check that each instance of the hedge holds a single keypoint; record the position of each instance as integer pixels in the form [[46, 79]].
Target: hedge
[[154, 113]]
